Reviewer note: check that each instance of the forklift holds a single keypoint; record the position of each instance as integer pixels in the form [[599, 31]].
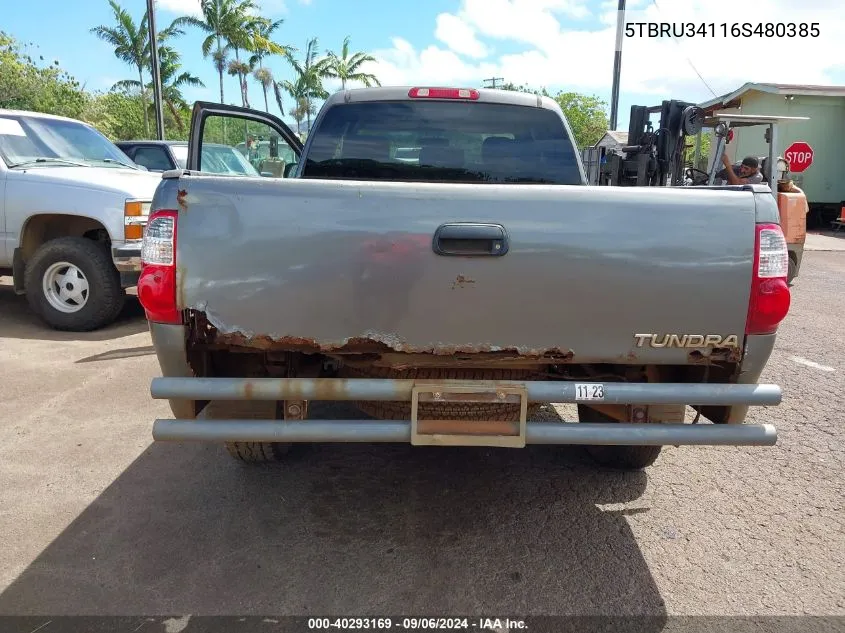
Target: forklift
[[655, 158]]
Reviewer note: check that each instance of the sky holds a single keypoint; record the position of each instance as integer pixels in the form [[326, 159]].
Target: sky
[[560, 44]]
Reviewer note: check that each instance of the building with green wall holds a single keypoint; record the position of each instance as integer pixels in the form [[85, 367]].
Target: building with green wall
[[824, 180]]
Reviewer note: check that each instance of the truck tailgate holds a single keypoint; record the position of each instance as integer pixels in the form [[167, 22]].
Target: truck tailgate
[[587, 268]]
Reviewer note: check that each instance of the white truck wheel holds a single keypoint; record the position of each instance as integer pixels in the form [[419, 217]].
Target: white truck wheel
[[72, 285]]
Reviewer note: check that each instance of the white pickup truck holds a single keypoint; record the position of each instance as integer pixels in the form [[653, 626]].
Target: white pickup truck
[[72, 213]]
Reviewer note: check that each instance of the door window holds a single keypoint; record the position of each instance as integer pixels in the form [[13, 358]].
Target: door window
[[238, 146], [153, 158]]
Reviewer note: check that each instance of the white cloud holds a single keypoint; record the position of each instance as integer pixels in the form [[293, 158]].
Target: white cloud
[[459, 36], [569, 44], [180, 7]]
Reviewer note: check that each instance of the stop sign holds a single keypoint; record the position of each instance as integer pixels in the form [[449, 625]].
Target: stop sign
[[799, 155]]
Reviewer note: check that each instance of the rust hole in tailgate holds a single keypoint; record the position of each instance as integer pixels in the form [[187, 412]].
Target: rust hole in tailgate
[[724, 354], [362, 345], [365, 345]]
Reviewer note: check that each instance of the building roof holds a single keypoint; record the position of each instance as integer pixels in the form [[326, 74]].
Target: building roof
[[732, 98], [619, 137]]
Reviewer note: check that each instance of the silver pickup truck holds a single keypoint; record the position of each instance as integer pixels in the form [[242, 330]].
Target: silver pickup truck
[[451, 291]]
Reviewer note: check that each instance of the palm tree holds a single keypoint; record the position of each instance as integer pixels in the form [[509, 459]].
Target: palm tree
[[304, 108], [172, 82], [298, 90], [131, 46], [347, 67], [261, 47], [277, 91], [309, 77], [265, 78], [241, 70], [218, 21], [240, 33]]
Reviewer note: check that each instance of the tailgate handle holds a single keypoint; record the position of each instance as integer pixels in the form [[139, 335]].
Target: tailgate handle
[[470, 238]]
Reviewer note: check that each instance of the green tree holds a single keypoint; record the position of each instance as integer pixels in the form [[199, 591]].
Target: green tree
[[689, 151], [298, 90], [524, 88], [172, 82], [261, 47], [25, 85], [118, 114], [303, 109], [310, 73], [241, 33], [347, 67], [131, 46], [587, 114], [131, 43], [219, 21]]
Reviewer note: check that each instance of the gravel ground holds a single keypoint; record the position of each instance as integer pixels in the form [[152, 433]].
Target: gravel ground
[[97, 520]]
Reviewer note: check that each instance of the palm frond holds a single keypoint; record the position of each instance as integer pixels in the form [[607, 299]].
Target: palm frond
[[127, 84], [187, 79], [277, 92]]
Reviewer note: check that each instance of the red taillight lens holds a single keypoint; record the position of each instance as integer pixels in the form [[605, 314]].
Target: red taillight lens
[[157, 283], [443, 93], [770, 296]]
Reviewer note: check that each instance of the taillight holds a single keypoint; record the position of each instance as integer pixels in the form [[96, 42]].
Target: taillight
[[157, 283], [443, 93], [770, 295]]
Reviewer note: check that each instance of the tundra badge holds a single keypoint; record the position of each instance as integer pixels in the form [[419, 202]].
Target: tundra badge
[[686, 340]]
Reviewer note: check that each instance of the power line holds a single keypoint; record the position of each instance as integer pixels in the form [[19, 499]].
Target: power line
[[689, 61]]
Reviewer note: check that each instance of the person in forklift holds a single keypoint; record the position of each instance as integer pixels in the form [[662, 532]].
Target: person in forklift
[[746, 173]]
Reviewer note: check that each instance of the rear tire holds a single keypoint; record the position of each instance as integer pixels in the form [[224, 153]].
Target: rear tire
[[257, 452], [249, 452], [390, 410], [618, 457], [791, 271], [72, 284]]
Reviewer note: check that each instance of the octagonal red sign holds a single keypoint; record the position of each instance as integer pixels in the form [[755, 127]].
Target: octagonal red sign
[[799, 155]]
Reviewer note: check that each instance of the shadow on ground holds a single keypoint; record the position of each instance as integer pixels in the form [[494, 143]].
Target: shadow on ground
[[350, 529], [18, 321]]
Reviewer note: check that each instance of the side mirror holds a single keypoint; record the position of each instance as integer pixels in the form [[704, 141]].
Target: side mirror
[[289, 169]]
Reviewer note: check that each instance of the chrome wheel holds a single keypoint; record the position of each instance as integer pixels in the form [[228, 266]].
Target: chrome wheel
[[65, 287]]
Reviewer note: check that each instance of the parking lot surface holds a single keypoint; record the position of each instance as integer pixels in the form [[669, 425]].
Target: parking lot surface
[[97, 519]]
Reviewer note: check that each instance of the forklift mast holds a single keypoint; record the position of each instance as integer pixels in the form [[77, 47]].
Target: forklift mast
[[654, 158]]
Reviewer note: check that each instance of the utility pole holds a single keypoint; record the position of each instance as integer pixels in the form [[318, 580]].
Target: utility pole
[[151, 22], [617, 65], [493, 81]]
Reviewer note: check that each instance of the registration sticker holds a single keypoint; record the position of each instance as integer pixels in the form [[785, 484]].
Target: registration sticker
[[588, 391]]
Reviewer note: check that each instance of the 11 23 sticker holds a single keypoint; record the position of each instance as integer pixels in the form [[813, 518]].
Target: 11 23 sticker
[[589, 391]]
